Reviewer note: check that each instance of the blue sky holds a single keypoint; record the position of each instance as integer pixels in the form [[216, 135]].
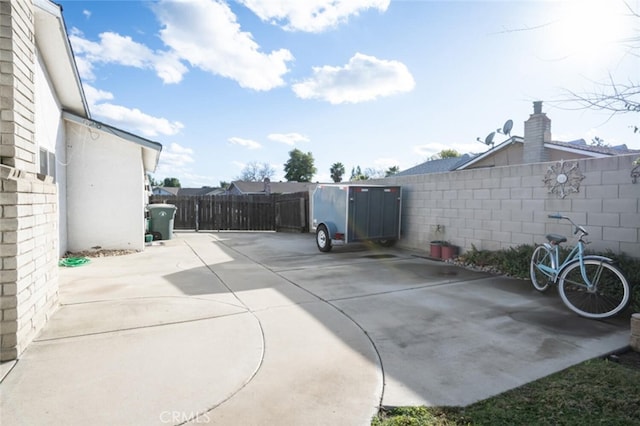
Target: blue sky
[[369, 83]]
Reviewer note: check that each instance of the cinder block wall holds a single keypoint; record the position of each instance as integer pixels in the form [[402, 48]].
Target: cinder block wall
[[28, 212], [502, 207]]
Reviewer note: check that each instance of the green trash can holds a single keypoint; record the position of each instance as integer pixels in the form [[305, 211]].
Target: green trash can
[[162, 216]]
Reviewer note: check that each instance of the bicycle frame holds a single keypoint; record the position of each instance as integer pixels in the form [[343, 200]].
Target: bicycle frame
[[576, 254]]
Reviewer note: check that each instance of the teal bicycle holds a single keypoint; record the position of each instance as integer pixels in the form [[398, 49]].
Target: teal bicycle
[[591, 286]]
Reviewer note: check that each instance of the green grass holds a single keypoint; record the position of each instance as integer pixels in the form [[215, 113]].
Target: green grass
[[596, 392]]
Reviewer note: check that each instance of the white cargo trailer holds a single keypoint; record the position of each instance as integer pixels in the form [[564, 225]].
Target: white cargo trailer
[[347, 213]]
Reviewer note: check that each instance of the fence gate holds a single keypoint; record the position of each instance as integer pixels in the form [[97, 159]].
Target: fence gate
[[253, 212], [292, 212]]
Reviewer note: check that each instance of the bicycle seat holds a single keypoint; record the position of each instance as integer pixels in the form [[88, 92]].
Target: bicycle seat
[[556, 239]]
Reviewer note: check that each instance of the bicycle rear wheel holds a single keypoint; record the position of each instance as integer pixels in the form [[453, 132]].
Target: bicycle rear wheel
[[608, 296], [541, 278]]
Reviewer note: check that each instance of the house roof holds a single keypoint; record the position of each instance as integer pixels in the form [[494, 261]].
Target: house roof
[[193, 192], [56, 53], [166, 190], [246, 187], [581, 146], [436, 166], [493, 150], [150, 149]]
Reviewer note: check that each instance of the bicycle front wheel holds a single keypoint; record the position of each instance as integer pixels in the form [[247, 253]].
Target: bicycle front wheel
[[607, 296], [541, 278]]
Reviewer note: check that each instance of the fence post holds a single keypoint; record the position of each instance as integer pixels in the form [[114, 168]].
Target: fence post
[[197, 214]]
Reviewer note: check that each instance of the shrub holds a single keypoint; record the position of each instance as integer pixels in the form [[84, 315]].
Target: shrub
[[515, 261]]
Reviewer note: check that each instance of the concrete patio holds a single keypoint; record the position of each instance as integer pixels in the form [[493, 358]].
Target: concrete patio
[[262, 328]]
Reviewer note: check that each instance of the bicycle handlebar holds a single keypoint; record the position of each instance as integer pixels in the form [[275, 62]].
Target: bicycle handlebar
[[578, 228]]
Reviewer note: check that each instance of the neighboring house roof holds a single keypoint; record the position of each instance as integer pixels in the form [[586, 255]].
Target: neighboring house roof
[[52, 41], [580, 146], [244, 187], [150, 149], [165, 190], [214, 191], [186, 192], [436, 166], [194, 192], [512, 140]]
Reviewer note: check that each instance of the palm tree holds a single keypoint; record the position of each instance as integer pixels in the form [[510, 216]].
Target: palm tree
[[337, 170]]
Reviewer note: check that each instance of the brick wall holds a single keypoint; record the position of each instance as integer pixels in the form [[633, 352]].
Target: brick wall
[[502, 207], [28, 202]]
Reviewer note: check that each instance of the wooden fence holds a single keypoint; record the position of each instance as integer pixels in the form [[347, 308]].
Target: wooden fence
[[275, 212]]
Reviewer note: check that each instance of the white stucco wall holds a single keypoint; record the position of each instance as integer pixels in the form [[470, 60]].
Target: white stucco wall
[[105, 190], [50, 135]]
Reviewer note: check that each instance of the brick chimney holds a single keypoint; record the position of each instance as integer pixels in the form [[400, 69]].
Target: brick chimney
[[537, 131]]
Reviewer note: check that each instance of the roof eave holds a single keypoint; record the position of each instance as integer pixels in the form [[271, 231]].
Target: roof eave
[[55, 49], [576, 150], [510, 141]]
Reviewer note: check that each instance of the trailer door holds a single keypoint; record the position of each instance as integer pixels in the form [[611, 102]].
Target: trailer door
[[374, 213]]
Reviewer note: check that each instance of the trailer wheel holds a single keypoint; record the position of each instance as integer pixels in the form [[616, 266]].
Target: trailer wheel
[[322, 239], [386, 243]]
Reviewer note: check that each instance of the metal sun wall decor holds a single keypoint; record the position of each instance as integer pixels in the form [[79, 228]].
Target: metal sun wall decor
[[563, 178], [635, 172]]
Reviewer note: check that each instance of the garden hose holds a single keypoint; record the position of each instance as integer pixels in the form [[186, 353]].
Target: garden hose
[[73, 261]]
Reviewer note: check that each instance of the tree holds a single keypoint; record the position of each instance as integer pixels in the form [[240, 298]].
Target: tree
[[224, 184], [153, 182], [598, 141], [337, 170], [256, 172], [614, 97], [371, 173], [356, 174], [445, 153], [392, 171], [299, 167], [171, 182]]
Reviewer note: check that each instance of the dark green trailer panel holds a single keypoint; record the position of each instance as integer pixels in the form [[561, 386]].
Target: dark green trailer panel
[[355, 213]]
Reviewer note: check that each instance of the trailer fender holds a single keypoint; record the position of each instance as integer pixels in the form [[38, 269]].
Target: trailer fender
[[331, 227]]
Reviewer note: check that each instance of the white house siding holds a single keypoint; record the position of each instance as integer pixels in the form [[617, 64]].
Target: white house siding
[[28, 203], [50, 135], [104, 175]]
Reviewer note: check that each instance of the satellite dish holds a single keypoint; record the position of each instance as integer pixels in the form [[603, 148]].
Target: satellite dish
[[506, 129], [489, 139]]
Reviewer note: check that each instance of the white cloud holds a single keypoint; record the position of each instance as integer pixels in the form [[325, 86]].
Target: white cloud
[[174, 160], [385, 163], [240, 165], [364, 78], [94, 95], [311, 15], [288, 138], [176, 156], [429, 150], [206, 34], [247, 143], [131, 119], [86, 13], [122, 50]]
